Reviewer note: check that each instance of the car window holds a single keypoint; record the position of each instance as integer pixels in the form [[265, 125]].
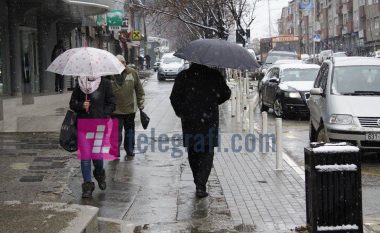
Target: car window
[[356, 80], [324, 78], [294, 74], [275, 73], [319, 76], [267, 76]]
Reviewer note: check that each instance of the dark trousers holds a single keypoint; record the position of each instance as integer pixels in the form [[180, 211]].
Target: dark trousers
[[201, 164], [127, 122], [59, 82]]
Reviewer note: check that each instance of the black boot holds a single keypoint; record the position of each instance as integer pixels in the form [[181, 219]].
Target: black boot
[[201, 191], [87, 189], [101, 178]]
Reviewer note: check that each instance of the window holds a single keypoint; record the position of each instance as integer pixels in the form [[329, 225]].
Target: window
[[319, 76]]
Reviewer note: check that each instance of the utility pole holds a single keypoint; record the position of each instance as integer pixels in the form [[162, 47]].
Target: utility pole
[[270, 20], [313, 32]]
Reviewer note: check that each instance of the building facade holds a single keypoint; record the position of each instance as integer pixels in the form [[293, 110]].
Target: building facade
[[343, 25], [29, 30]]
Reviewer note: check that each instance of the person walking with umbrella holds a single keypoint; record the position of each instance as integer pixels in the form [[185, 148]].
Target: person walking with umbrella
[[130, 97], [92, 98], [195, 97]]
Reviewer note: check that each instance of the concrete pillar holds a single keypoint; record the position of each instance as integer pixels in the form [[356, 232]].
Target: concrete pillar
[[43, 27], [14, 49]]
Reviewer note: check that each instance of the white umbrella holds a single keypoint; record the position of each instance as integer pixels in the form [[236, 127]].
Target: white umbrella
[[86, 61]]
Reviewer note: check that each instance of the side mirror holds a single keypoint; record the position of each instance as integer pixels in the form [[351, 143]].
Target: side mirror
[[316, 91], [274, 80]]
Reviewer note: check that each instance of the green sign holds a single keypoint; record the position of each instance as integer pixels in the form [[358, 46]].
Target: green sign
[[115, 18], [101, 20]]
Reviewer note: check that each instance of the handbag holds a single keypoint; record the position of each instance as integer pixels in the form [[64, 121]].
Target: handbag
[[144, 119], [68, 134]]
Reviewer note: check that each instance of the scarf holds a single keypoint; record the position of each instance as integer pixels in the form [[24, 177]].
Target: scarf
[[89, 85]]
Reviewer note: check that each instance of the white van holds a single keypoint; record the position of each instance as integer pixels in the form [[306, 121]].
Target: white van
[[345, 102]]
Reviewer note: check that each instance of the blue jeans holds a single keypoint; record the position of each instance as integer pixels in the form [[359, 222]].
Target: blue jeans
[[86, 168]]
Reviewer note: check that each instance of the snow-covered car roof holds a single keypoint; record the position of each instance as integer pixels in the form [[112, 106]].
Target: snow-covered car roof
[[356, 61], [297, 66]]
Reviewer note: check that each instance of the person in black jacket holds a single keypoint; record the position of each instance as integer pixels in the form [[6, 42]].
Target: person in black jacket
[[92, 98], [59, 79], [195, 97]]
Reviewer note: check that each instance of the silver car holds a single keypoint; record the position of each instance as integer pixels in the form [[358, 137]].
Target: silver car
[[345, 102]]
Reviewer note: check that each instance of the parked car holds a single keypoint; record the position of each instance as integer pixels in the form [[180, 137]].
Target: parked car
[[340, 54], [344, 103], [286, 88], [170, 67], [272, 57], [156, 65], [278, 62]]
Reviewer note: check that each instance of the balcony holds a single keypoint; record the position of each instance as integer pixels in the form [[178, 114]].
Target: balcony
[[338, 30], [338, 10], [362, 12], [347, 7]]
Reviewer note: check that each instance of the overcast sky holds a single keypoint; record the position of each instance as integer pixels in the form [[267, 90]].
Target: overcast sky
[[260, 27]]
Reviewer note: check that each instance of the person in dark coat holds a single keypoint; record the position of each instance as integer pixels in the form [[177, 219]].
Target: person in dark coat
[[147, 60], [59, 79], [92, 98], [196, 95]]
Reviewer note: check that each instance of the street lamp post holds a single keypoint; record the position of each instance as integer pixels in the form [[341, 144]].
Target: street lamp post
[[313, 32]]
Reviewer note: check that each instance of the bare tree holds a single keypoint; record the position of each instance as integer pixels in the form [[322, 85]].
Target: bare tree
[[206, 18]]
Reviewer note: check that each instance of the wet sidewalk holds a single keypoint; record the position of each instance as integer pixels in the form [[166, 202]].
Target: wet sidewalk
[[256, 194]]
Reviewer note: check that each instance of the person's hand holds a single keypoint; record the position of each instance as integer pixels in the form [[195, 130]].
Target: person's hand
[[86, 105]]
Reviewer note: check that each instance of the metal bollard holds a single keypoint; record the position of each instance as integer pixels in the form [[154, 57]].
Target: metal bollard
[[233, 101], [264, 128], [238, 105], [244, 108], [251, 115], [279, 144]]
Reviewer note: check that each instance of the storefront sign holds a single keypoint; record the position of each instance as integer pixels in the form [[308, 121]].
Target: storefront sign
[[115, 18], [136, 36]]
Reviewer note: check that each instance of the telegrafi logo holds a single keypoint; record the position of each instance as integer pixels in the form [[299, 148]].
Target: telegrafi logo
[[97, 139]]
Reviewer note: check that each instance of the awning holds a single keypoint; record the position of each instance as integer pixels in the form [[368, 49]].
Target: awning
[[89, 7]]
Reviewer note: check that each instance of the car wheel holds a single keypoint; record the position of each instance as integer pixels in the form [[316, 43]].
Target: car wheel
[[263, 108], [312, 133], [322, 135], [277, 108], [160, 78]]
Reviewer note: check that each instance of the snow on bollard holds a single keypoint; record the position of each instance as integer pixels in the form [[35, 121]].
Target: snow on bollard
[[279, 144]]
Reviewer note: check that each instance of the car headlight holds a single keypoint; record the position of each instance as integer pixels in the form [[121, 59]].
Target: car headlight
[[341, 119], [292, 94]]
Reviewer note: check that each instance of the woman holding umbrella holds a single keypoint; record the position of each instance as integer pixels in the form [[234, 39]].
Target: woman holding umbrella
[[92, 98]]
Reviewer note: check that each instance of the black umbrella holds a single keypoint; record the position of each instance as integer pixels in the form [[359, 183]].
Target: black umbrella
[[218, 53]]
